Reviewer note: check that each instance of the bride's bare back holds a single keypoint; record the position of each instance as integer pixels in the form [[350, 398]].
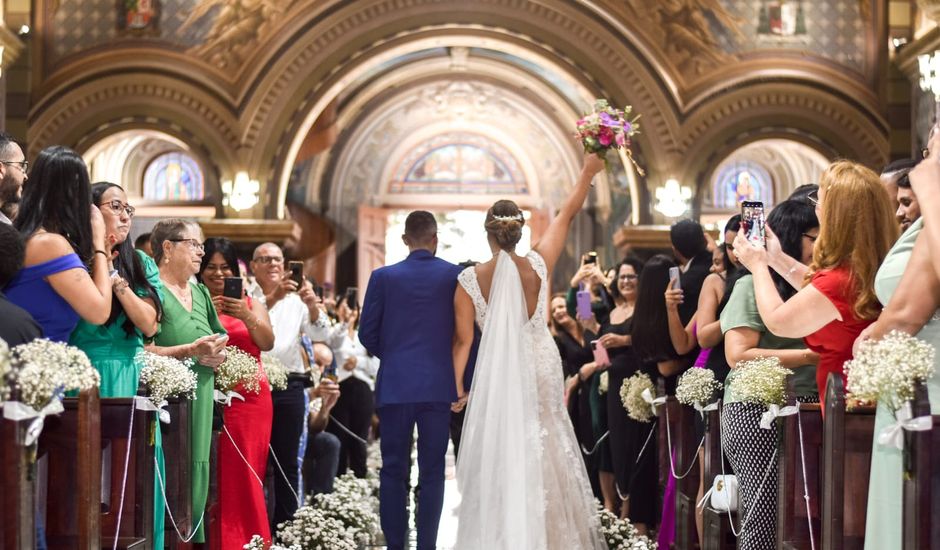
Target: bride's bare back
[[530, 280]]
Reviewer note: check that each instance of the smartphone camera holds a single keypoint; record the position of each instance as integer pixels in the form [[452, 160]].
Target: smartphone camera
[[589, 258], [233, 288]]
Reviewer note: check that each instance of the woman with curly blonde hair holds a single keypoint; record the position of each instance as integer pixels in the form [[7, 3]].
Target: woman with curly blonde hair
[[836, 301]]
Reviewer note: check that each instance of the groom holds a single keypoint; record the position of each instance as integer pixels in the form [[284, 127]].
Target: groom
[[408, 322]]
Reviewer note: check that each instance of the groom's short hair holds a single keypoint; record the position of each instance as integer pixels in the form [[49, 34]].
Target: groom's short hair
[[420, 227]]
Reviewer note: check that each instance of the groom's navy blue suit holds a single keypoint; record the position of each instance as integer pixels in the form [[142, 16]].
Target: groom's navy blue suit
[[408, 322]]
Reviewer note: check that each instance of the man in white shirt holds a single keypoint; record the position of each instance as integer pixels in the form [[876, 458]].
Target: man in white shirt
[[293, 311], [13, 169]]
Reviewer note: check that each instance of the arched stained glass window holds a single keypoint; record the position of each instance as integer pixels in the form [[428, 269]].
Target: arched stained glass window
[[741, 181], [174, 176], [459, 163]]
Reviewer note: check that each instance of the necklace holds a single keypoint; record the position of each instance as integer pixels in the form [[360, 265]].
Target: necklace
[[183, 293]]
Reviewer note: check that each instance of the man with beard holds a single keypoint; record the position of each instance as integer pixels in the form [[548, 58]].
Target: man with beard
[[13, 168]]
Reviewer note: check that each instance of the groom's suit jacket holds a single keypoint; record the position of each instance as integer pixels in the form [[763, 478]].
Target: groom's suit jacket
[[408, 322]]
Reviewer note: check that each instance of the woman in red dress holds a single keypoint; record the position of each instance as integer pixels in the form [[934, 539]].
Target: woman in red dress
[[241, 511], [857, 227]]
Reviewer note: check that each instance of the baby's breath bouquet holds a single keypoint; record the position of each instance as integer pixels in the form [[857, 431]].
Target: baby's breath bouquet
[[631, 394], [314, 529], [166, 377], [887, 369], [238, 371], [276, 371], [697, 387], [620, 534], [603, 383], [761, 381], [42, 369]]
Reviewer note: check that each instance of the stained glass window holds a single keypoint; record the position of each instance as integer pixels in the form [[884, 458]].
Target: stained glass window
[[459, 163], [174, 176], [741, 181]]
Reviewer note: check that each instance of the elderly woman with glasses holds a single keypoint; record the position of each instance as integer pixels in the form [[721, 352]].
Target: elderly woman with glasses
[[190, 329], [135, 314]]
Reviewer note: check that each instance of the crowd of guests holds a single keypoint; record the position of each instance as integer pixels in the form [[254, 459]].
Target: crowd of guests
[[845, 260], [70, 272]]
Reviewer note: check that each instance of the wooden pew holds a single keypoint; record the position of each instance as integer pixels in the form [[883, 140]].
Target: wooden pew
[[847, 442], [17, 474], [717, 532], [792, 527], [136, 529], [922, 480], [177, 480], [72, 443], [685, 443]]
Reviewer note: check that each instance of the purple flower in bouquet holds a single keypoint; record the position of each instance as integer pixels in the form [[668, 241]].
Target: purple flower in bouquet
[[608, 121]]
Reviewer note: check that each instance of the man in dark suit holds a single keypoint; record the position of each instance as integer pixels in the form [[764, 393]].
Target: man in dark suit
[[691, 250], [408, 322]]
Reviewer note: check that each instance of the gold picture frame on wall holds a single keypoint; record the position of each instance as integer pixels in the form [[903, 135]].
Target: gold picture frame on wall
[[138, 17]]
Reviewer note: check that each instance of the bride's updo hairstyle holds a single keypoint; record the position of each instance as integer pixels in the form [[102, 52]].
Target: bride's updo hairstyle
[[503, 224]]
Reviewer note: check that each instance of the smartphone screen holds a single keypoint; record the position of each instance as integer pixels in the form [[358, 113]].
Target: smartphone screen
[[752, 221], [233, 287], [297, 273], [674, 276]]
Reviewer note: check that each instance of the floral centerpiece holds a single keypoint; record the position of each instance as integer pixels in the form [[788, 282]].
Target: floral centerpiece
[[697, 388], [275, 370], [887, 370], [631, 394], [239, 371], [620, 534], [606, 128]]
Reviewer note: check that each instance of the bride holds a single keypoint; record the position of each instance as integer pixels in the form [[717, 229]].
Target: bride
[[520, 471]]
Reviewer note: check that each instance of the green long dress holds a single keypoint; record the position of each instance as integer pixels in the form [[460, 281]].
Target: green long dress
[[884, 520], [112, 352], [181, 326]]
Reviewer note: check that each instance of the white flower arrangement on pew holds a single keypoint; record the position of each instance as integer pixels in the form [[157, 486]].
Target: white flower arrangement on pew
[[5, 371], [166, 377], [239, 371], [631, 394], [620, 534], [761, 381], [41, 372], [275, 370], [603, 383], [887, 370], [345, 519], [697, 388]]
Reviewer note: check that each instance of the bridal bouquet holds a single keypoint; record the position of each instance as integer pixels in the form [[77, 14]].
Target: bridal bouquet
[[43, 369], [888, 369], [239, 370], [275, 370], [631, 394], [608, 128], [620, 534], [761, 381], [697, 387], [166, 377]]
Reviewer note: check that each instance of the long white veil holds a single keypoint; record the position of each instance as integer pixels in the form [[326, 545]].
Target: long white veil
[[498, 470]]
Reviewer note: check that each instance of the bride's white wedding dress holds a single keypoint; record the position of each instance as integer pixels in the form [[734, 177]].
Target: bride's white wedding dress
[[520, 471]]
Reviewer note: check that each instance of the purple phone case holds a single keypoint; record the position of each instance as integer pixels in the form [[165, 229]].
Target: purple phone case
[[584, 304]]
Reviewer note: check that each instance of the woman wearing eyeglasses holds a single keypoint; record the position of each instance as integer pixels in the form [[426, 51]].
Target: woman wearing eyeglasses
[[65, 275], [134, 316], [190, 329]]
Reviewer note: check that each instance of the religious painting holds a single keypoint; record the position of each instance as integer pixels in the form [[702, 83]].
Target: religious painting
[[174, 176], [138, 16], [783, 18], [739, 182]]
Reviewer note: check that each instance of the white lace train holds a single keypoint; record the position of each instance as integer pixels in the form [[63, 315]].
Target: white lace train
[[520, 472]]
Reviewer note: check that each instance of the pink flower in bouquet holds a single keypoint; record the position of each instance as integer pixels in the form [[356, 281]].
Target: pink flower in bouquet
[[621, 140], [605, 136]]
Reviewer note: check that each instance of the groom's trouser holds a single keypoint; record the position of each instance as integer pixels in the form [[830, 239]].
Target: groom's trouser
[[397, 425]]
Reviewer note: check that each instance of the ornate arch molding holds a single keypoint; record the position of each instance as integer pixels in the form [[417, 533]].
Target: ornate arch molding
[[185, 110]]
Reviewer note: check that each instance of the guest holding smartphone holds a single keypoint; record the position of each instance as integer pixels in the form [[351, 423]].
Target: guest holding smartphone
[[190, 329], [243, 448]]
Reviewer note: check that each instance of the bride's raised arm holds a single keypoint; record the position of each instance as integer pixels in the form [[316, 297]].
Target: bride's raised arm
[[553, 241]]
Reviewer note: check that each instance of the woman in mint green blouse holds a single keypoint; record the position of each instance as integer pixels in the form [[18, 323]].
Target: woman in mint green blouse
[[135, 313], [910, 290], [190, 329], [749, 448]]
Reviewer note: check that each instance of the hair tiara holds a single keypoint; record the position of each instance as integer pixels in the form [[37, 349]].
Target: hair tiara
[[517, 218]]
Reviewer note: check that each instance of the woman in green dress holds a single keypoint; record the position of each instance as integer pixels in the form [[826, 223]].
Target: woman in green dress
[[135, 314], [190, 329], [910, 289]]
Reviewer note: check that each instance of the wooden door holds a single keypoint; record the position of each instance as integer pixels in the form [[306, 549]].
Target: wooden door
[[373, 224]]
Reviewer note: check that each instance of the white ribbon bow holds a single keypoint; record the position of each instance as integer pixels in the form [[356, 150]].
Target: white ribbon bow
[[226, 398], [145, 404], [16, 411], [647, 396], [702, 409], [773, 411], [893, 435]]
